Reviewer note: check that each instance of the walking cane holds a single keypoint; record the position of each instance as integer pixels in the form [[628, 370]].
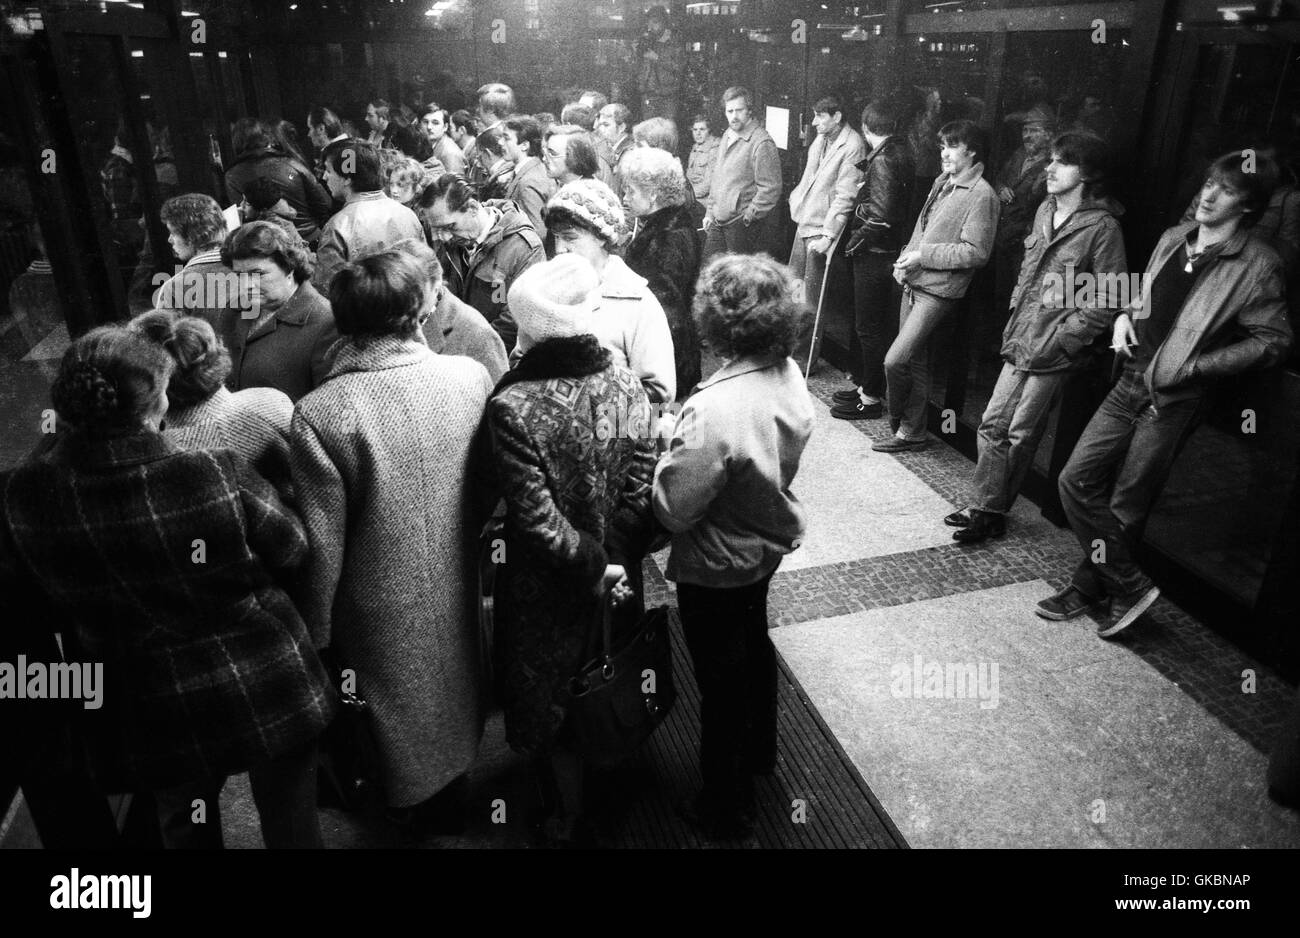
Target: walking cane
[[813, 342]]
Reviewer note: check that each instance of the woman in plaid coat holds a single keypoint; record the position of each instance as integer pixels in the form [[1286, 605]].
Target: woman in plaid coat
[[160, 565]]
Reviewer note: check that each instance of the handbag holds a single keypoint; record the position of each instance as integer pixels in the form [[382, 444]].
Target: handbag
[[349, 759], [618, 698]]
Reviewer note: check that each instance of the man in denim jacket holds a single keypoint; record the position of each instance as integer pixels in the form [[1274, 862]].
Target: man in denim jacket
[[1212, 305]]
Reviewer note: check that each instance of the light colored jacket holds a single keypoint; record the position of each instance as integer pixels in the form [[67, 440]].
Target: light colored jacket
[[633, 326], [723, 487], [381, 466], [821, 202], [957, 237], [370, 222], [746, 181]]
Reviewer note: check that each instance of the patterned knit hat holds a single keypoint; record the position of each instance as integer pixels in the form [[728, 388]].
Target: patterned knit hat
[[555, 299], [595, 203]]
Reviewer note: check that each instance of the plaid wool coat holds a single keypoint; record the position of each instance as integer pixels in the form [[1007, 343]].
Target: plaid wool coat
[[158, 564]]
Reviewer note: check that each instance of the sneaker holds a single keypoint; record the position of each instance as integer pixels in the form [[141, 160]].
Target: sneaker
[[858, 411], [1069, 603], [958, 519], [896, 444], [1124, 612], [850, 396], [984, 524]]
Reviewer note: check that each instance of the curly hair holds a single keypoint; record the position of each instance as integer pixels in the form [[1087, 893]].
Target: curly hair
[[748, 305], [656, 172], [109, 380], [404, 171], [196, 217], [380, 295], [202, 362], [264, 239]]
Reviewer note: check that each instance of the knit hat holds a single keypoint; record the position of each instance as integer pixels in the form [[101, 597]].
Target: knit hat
[[555, 299], [595, 203]]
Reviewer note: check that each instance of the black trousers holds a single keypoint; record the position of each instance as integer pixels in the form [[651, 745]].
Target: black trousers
[[876, 301], [735, 665]]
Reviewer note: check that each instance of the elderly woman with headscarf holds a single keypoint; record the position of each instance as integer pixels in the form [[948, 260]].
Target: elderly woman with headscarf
[[586, 219], [577, 511], [665, 248]]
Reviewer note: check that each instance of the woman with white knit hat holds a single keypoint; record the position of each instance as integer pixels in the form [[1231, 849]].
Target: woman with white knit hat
[[586, 219], [578, 518]]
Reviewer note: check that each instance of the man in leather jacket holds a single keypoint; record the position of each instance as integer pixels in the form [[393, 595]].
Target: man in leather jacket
[[876, 231], [1211, 305]]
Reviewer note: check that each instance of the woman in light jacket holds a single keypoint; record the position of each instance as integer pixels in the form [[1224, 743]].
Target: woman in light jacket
[[586, 219], [953, 238], [380, 455], [723, 489]]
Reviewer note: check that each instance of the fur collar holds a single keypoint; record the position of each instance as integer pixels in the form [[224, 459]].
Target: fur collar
[[569, 357]]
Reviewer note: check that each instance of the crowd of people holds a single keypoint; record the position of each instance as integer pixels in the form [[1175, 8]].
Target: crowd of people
[[429, 326]]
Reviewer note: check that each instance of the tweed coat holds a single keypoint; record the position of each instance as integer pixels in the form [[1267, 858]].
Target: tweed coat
[[289, 350], [207, 667], [380, 455], [253, 422], [666, 251], [575, 473]]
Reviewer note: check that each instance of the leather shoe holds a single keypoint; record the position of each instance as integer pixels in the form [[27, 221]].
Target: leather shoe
[[851, 396], [858, 411], [1069, 603], [983, 525], [958, 519], [897, 445]]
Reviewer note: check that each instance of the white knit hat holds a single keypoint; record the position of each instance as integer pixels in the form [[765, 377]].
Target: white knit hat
[[555, 299]]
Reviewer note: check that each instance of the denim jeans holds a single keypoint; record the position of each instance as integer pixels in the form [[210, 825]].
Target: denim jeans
[[738, 238], [876, 296], [735, 665], [810, 267], [1114, 477], [1009, 433], [907, 363]]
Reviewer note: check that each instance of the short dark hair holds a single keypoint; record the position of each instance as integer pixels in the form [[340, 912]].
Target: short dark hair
[[1257, 185], [326, 119], [1088, 152], [196, 217], [380, 295], [450, 186], [560, 219], [831, 105], [737, 91], [273, 242], [955, 133], [263, 192], [528, 132], [434, 108], [382, 108], [701, 119], [580, 157], [579, 114], [249, 134], [748, 305], [109, 379], [367, 172], [202, 362], [491, 141], [464, 120], [879, 117]]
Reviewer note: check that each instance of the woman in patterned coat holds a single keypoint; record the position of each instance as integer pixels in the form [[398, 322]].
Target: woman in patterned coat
[[574, 453], [380, 455], [158, 564]]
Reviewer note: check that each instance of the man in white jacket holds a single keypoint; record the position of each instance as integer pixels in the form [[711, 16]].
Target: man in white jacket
[[820, 206]]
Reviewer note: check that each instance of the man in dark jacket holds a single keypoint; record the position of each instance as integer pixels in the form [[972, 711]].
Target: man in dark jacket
[[875, 233], [485, 246], [1074, 244], [1211, 306], [1021, 187]]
